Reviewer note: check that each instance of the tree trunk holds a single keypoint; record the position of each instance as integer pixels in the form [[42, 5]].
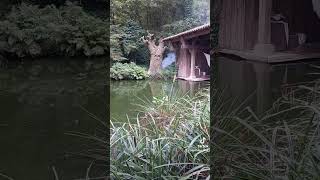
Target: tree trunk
[[156, 52]]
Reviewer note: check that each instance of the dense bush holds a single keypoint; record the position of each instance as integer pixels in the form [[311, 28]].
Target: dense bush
[[30, 31], [129, 71]]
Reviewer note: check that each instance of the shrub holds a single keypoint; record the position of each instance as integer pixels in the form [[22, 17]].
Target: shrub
[[30, 31], [129, 71]]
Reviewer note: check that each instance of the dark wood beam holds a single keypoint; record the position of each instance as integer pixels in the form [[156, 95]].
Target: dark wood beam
[[192, 35]]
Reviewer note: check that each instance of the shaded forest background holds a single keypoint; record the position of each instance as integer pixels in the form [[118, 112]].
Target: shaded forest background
[[33, 29], [130, 19], [42, 28]]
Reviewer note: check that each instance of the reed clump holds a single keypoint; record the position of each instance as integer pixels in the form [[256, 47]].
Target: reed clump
[[169, 141], [283, 143]]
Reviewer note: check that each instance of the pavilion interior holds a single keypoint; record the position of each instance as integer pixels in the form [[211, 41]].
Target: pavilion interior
[[295, 37], [302, 23], [202, 69], [201, 61]]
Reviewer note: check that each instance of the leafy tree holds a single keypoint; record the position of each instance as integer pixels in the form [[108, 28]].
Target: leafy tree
[[150, 14], [125, 43], [131, 18]]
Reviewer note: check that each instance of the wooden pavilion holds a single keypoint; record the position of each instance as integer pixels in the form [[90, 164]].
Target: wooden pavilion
[[265, 45], [192, 49]]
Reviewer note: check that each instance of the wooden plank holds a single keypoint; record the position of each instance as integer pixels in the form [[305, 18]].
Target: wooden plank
[[230, 23], [242, 14], [226, 23], [238, 24], [233, 23], [251, 23], [278, 57]]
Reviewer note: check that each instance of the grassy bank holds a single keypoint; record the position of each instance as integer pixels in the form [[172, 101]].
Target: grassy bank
[[171, 140]]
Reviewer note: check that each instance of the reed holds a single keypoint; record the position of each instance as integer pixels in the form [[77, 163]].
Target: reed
[[152, 149], [281, 144]]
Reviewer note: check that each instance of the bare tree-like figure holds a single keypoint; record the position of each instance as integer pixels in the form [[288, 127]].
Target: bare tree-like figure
[[156, 52]]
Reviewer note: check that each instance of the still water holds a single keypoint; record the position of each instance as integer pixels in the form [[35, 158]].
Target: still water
[[127, 97], [40, 105], [43, 103]]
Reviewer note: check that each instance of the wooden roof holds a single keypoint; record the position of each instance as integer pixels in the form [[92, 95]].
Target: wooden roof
[[197, 31]]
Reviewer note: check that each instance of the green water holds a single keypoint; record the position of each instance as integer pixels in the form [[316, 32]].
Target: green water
[[42, 102], [126, 97], [39, 104]]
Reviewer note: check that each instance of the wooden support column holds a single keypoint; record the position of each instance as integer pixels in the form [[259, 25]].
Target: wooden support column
[[193, 52], [264, 46], [183, 59], [193, 62]]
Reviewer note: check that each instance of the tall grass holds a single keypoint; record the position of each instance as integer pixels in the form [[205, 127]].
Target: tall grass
[[281, 144], [168, 141], [5, 177]]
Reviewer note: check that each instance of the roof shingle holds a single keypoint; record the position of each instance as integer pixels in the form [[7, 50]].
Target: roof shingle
[[199, 28]]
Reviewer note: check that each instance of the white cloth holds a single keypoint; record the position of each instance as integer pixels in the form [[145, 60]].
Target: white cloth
[[208, 58], [316, 7]]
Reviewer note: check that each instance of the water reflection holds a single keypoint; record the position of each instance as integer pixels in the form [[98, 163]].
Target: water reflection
[[126, 96], [35, 115]]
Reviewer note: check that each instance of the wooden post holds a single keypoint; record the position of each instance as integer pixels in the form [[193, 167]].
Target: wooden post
[[183, 59], [193, 60], [264, 46]]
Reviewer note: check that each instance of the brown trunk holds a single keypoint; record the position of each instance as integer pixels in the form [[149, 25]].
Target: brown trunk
[[156, 52]]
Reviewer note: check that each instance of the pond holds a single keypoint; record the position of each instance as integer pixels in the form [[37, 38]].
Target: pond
[[44, 102], [41, 103], [129, 97]]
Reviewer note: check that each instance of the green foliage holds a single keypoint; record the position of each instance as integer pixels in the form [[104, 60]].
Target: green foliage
[[149, 14], [130, 71], [283, 143], [125, 43], [201, 10], [180, 26], [169, 72], [188, 8], [130, 19], [169, 142], [30, 31], [196, 13]]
